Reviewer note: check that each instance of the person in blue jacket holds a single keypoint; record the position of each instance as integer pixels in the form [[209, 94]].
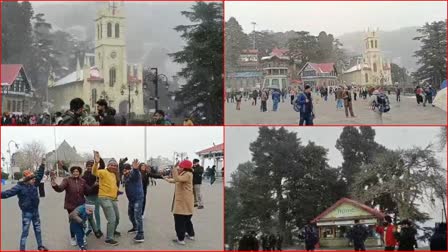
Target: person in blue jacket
[[134, 191], [305, 102], [27, 192], [78, 219], [275, 99]]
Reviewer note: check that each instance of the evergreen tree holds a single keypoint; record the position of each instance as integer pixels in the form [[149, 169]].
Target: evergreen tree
[[432, 54], [236, 41], [202, 96]]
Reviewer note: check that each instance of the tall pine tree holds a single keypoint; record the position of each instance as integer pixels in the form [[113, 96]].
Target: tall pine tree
[[236, 41], [202, 96]]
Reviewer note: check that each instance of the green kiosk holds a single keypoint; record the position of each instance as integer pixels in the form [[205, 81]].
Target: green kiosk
[[335, 222]]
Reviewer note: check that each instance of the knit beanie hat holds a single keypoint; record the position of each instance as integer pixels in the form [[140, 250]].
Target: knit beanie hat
[[112, 161], [28, 175], [186, 164]]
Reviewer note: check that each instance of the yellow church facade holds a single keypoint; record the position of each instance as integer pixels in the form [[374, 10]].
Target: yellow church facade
[[372, 69], [105, 73]]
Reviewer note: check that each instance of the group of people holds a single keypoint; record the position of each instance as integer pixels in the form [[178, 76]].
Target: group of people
[[267, 241], [99, 187], [425, 94], [80, 114]]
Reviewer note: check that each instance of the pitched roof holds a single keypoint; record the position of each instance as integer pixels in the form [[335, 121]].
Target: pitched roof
[[69, 79], [356, 68], [245, 75], [279, 52], [9, 73], [216, 148], [355, 203]]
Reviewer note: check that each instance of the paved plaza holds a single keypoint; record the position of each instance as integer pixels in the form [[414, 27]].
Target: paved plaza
[[405, 112], [158, 222]]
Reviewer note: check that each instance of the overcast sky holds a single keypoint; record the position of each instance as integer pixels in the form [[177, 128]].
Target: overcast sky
[[336, 17], [118, 142], [239, 138]]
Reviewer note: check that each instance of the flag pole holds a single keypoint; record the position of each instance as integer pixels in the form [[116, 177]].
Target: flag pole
[[56, 152]]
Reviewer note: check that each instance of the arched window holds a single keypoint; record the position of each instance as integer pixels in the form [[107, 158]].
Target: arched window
[[374, 67], [112, 76], [367, 78], [94, 96], [371, 43], [109, 30], [376, 43], [117, 30]]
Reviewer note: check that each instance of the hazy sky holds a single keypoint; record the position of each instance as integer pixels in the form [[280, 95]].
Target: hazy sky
[[239, 138], [336, 17], [118, 142]]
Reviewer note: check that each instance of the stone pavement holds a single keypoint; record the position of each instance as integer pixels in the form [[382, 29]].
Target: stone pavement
[[158, 222], [405, 112]]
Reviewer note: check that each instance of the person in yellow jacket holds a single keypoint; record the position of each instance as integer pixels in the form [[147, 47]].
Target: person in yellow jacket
[[107, 196], [183, 202]]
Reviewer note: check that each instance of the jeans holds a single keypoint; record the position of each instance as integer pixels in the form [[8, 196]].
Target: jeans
[[78, 230], [348, 107], [27, 218], [183, 224], [135, 215], [110, 209], [97, 221], [197, 194], [339, 104], [275, 106], [306, 118], [263, 106], [359, 246]]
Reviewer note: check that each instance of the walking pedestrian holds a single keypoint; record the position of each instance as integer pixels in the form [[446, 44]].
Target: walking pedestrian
[[213, 174], [183, 201], [238, 98], [264, 99], [438, 239], [275, 99], [197, 182], [389, 238], [339, 99], [347, 97], [398, 93], [358, 234], [255, 97], [379, 103], [305, 107], [406, 236], [311, 238]]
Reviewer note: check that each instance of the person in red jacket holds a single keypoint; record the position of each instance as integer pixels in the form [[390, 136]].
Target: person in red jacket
[[389, 238]]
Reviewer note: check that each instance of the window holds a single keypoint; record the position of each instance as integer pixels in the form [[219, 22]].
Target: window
[[371, 43], [18, 106], [266, 82], [135, 71], [283, 83], [109, 30], [275, 82], [376, 43], [117, 30], [112, 76], [367, 77], [101, 30], [94, 97], [9, 106], [98, 31], [14, 106], [374, 67]]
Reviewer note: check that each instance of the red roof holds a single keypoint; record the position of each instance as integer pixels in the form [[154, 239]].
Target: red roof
[[132, 79], [216, 148], [368, 209], [296, 82], [279, 52], [324, 67], [9, 73]]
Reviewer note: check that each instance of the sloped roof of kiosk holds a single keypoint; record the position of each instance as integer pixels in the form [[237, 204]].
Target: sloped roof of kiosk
[[347, 208]]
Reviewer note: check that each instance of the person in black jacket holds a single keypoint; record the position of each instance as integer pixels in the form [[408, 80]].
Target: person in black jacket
[[146, 175], [197, 182], [358, 234], [438, 239], [106, 114], [92, 198], [406, 236], [73, 116]]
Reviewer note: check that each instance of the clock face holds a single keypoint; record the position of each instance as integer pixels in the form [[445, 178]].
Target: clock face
[[113, 55]]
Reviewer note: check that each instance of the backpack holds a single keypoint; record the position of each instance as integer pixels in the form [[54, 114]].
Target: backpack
[[382, 102], [297, 107]]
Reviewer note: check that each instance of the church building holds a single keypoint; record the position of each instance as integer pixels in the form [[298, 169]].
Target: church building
[[371, 69], [106, 73]]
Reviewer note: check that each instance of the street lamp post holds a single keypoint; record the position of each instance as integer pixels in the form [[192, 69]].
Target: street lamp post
[[10, 154], [156, 83]]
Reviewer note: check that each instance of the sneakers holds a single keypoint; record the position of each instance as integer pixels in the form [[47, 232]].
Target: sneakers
[[195, 205], [139, 238], [190, 237], [88, 232], [83, 248], [132, 230], [111, 242], [42, 248], [117, 234], [179, 242], [98, 234], [200, 207], [73, 241]]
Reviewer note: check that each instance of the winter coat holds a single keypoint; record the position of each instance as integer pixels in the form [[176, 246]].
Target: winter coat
[[79, 214], [306, 107], [147, 175], [197, 175], [438, 240], [27, 193], [75, 189], [108, 186], [133, 185], [358, 234], [406, 239], [183, 201], [90, 181], [276, 96], [70, 118], [390, 240]]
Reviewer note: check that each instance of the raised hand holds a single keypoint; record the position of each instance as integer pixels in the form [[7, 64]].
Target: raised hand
[[135, 164], [96, 156]]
